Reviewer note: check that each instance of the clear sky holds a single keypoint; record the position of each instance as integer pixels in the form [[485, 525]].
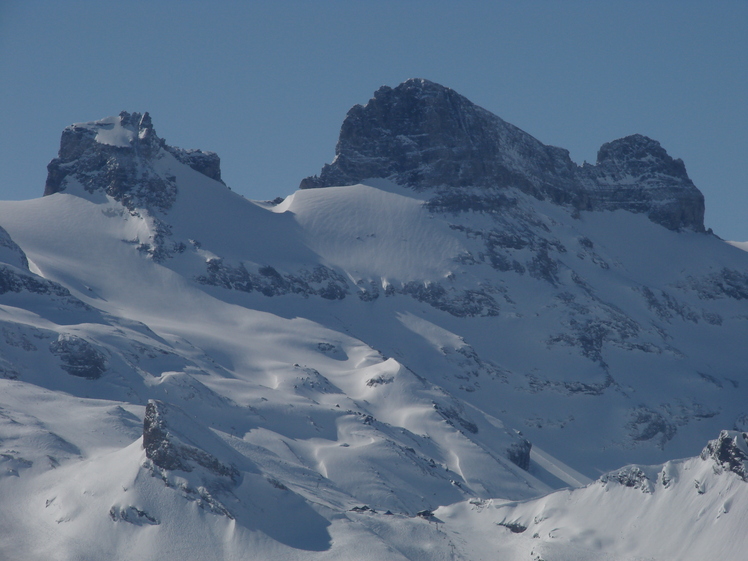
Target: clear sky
[[266, 85]]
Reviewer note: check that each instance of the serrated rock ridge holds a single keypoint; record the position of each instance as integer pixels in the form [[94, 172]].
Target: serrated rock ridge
[[117, 156], [424, 135]]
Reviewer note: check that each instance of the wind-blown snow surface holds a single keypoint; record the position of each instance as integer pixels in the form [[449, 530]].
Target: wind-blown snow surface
[[740, 245], [318, 386]]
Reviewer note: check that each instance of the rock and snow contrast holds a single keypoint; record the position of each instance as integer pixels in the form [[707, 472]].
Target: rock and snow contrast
[[453, 343]]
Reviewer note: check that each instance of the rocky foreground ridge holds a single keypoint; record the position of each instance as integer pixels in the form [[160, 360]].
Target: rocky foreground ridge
[[117, 156], [425, 135]]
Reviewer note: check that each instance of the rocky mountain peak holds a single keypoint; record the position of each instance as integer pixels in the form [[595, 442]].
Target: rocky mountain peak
[[637, 156], [117, 156], [424, 135], [639, 150], [635, 173]]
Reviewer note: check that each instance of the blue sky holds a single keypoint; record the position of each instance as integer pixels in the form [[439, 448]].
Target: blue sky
[[266, 85]]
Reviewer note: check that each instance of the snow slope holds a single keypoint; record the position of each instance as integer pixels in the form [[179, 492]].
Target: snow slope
[[354, 435], [216, 377]]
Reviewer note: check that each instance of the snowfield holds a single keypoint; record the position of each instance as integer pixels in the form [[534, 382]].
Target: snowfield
[[352, 373]]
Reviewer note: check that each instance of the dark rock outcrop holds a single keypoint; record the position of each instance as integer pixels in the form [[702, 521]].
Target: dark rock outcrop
[[331, 285], [168, 451], [116, 156], [636, 174], [320, 281], [727, 283], [204, 464], [17, 280], [456, 418], [11, 253], [426, 136], [133, 515], [17, 284], [207, 163], [519, 453], [649, 425], [630, 476], [79, 357], [730, 452]]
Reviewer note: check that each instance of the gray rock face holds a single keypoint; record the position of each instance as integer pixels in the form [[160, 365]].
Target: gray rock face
[[167, 450], [636, 174], [15, 280], [207, 163], [331, 285], [116, 156], [321, 281], [173, 441], [630, 476], [424, 135], [727, 283], [79, 357], [730, 452], [11, 253], [519, 453]]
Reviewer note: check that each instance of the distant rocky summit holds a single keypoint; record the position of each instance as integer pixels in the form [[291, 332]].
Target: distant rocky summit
[[118, 156], [425, 135], [436, 370], [636, 174]]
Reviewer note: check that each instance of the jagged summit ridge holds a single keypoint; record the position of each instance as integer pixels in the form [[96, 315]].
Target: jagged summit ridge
[[425, 135], [635, 173], [353, 373], [117, 156], [10, 253]]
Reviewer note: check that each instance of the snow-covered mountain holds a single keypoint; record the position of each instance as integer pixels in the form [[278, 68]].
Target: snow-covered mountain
[[411, 357]]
